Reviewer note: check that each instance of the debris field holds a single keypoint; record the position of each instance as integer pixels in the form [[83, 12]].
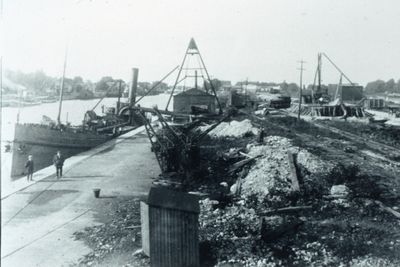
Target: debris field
[[276, 191]]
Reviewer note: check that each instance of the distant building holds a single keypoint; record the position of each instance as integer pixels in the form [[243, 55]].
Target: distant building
[[251, 87], [226, 85], [306, 97], [375, 103], [352, 92], [191, 99], [272, 89]]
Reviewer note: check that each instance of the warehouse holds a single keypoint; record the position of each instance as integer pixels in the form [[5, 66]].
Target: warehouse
[[192, 100]]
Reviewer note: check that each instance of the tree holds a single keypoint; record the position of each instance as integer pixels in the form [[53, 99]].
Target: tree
[[160, 88], [217, 84], [284, 86], [78, 80], [293, 89], [374, 87], [398, 86], [390, 86], [104, 84], [37, 81]]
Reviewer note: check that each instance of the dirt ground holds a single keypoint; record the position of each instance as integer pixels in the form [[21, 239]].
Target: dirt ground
[[246, 228], [115, 241], [350, 232]]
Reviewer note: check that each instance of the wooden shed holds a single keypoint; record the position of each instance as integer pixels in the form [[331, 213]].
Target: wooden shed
[[352, 92], [375, 103], [191, 99], [172, 223]]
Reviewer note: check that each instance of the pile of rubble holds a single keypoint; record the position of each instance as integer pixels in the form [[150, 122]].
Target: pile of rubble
[[251, 216], [271, 172], [271, 169], [266, 224], [119, 236], [232, 129]]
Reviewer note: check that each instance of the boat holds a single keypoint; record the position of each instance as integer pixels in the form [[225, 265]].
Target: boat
[[43, 140]]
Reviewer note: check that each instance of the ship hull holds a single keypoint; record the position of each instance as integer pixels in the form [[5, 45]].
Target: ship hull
[[43, 142]]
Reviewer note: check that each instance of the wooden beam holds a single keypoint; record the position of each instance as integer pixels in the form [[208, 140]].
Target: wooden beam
[[285, 210], [390, 210], [293, 172]]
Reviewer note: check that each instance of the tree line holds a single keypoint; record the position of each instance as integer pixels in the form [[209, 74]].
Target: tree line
[[42, 84], [380, 86]]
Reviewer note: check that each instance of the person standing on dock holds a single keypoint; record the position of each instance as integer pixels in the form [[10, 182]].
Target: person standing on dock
[[58, 162], [29, 166]]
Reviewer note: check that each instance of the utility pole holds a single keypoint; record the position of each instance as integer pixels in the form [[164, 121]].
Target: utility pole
[[301, 86]]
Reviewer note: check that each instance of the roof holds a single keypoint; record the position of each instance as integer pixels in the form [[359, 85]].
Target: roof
[[169, 199], [194, 91]]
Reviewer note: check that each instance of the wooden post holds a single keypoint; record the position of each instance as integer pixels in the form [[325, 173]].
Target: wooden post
[[301, 86]]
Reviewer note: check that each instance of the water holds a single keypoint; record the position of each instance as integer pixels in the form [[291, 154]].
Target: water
[[74, 110]]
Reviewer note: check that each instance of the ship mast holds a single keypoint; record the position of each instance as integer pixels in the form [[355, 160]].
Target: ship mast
[[62, 88]]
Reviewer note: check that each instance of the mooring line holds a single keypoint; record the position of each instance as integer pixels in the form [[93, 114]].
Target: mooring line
[[46, 234]]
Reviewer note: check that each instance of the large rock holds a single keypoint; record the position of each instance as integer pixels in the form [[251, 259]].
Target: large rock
[[339, 191]]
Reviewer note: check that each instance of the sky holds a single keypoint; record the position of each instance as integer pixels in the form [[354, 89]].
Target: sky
[[258, 40]]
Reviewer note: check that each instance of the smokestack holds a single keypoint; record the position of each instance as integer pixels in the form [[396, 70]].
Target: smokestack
[[133, 89]]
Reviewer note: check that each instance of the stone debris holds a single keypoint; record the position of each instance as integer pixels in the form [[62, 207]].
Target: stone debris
[[250, 231], [250, 216], [272, 170], [232, 129], [339, 191], [372, 262], [118, 236], [312, 163]]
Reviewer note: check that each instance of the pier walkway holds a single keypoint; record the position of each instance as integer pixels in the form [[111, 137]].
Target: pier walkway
[[39, 219]]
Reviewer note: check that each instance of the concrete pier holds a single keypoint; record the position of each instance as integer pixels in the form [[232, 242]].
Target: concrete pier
[[38, 219]]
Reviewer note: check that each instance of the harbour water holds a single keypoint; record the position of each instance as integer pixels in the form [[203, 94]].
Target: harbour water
[[72, 111]]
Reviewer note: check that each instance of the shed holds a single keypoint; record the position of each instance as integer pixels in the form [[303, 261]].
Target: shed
[[352, 92], [194, 98], [238, 100], [374, 103], [172, 225]]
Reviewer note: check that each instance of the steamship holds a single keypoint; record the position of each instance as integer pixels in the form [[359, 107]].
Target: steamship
[[42, 141]]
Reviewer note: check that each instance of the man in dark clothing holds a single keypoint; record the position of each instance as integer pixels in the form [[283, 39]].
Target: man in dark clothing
[[58, 162], [29, 167]]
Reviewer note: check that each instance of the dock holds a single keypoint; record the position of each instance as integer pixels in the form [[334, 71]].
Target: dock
[[40, 218]]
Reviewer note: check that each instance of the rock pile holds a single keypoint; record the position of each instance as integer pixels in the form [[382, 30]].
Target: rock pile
[[232, 129], [271, 170]]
